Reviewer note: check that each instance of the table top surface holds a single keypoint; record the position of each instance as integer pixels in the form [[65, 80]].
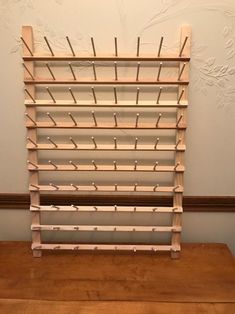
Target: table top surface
[[204, 273]]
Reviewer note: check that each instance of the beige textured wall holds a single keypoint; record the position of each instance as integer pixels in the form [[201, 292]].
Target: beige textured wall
[[210, 136]]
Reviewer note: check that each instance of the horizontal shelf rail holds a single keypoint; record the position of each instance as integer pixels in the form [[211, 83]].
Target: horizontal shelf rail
[[115, 208], [108, 104], [98, 167], [116, 228], [106, 147], [70, 125], [149, 57], [105, 247], [106, 188], [105, 82]]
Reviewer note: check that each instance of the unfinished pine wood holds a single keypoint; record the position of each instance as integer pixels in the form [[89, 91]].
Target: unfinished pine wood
[[27, 35], [52, 124], [115, 208], [148, 57], [180, 134]]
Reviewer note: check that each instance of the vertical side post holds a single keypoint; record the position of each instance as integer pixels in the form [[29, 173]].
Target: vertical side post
[[27, 34], [180, 134]]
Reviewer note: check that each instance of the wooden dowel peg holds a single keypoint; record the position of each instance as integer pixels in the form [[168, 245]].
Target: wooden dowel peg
[[26, 45], [72, 94], [36, 206], [176, 166], [75, 207], [180, 96], [56, 207], [156, 144], [93, 46], [73, 142], [158, 119], [49, 69], [159, 95], [177, 144], [115, 70], [94, 71], [51, 163], [137, 95], [72, 71], [115, 142], [74, 186], [48, 45], [54, 186], [182, 48], [115, 165], [137, 71], [73, 164], [135, 165], [159, 71], [52, 142], [155, 166], [94, 95], [181, 71], [30, 140], [70, 46], [116, 47], [95, 186], [52, 97], [175, 188], [94, 142], [26, 68], [35, 186], [179, 120], [94, 164], [115, 208], [28, 93], [31, 119], [136, 142], [155, 187], [33, 164], [115, 95], [115, 119], [138, 47], [137, 120], [160, 47], [94, 118], [52, 119], [134, 209], [135, 187], [72, 118]]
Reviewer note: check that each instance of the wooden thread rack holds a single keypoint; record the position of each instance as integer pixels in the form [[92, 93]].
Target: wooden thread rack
[[115, 122]]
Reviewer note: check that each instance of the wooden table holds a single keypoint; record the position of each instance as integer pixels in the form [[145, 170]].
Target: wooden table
[[202, 281]]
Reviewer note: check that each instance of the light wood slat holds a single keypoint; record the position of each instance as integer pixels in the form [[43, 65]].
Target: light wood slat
[[70, 125], [130, 209], [106, 188], [38, 81], [108, 104], [106, 147], [119, 168], [116, 228], [148, 57], [107, 247], [27, 35], [180, 134]]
